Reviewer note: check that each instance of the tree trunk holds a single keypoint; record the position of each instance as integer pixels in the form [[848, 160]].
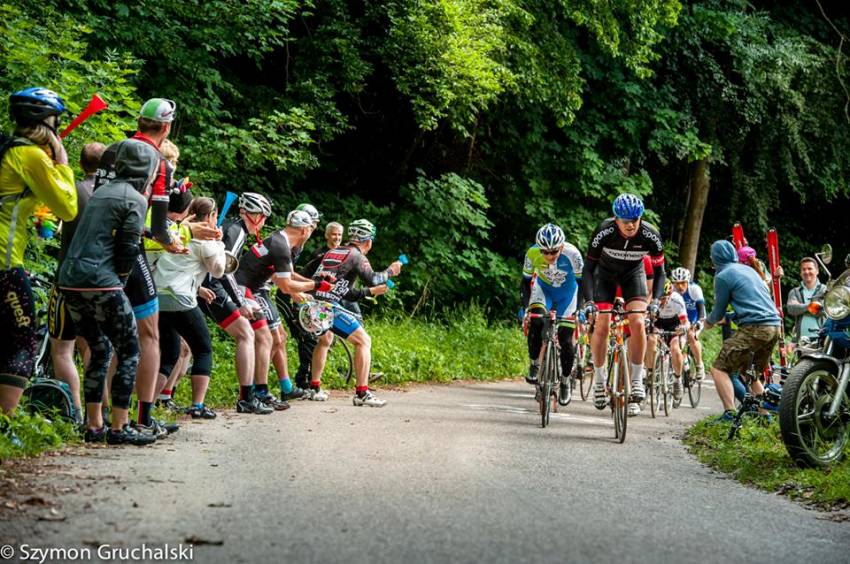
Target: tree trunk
[[699, 185]]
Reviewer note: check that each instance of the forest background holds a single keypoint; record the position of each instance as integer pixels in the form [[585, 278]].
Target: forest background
[[459, 127]]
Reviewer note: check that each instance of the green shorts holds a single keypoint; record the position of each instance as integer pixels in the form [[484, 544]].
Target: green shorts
[[750, 343]]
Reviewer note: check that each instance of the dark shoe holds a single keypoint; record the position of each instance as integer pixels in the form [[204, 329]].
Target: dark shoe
[[170, 428], [532, 373], [171, 406], [129, 436], [202, 412], [565, 395], [271, 401], [95, 435], [152, 430], [296, 393], [253, 406]]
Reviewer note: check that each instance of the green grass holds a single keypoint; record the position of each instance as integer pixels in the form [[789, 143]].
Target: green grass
[[34, 435], [757, 457]]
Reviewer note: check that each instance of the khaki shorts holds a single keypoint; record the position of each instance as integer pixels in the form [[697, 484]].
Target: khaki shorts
[[754, 342]]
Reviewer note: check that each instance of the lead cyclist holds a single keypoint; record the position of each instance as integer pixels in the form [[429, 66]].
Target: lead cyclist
[[550, 279], [615, 257]]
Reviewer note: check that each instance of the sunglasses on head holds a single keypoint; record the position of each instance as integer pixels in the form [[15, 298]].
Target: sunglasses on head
[[550, 252]]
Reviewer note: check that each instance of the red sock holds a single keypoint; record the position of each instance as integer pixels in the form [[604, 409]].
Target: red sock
[[166, 393], [315, 385], [361, 389]]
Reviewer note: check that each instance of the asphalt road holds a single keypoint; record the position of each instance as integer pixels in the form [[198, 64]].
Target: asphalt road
[[459, 473]]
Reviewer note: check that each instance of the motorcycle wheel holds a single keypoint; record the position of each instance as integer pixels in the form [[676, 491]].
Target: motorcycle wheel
[[813, 440]]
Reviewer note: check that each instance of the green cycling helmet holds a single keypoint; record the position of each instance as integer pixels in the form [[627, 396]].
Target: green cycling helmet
[[159, 110], [361, 230]]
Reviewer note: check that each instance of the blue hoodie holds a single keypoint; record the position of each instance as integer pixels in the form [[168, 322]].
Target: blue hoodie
[[741, 286]]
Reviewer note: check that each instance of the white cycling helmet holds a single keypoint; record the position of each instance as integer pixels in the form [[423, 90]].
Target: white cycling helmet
[[310, 209], [298, 218], [680, 274], [550, 236], [316, 317], [252, 202]]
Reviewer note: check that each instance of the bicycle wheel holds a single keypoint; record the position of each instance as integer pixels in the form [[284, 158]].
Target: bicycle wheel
[[654, 386], [586, 374], [623, 393], [547, 380], [694, 385], [667, 386], [340, 360]]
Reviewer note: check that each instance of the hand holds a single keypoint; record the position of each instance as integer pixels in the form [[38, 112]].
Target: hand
[[247, 311], [299, 297], [206, 294], [590, 309], [325, 275], [379, 290], [202, 230], [322, 285], [60, 156], [175, 247], [653, 310], [395, 268], [779, 272]]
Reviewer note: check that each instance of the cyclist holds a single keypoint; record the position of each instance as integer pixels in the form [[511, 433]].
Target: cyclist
[[695, 303], [550, 278], [615, 257], [348, 263], [271, 259], [230, 309], [99, 260], [33, 168], [63, 334], [672, 317]]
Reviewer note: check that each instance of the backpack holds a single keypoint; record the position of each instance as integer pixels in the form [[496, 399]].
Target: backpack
[[9, 141], [50, 398]]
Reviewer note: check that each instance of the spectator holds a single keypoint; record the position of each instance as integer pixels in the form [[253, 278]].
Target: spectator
[[805, 302]]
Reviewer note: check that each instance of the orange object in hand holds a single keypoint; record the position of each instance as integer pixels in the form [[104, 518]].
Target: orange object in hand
[[814, 308]]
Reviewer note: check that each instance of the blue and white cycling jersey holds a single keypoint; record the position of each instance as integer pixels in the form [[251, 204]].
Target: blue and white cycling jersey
[[693, 297], [555, 285]]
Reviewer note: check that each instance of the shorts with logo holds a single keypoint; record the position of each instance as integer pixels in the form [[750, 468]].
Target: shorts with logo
[[270, 316], [222, 309], [605, 283], [750, 342], [564, 303], [345, 322], [20, 341], [59, 322], [141, 289]]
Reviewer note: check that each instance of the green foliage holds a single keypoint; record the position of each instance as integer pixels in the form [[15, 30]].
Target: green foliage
[[29, 435], [758, 457]]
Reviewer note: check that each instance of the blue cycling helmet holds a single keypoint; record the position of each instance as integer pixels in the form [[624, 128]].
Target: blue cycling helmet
[[628, 206], [33, 105], [550, 236]]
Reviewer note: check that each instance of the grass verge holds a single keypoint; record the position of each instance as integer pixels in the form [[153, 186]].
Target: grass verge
[[757, 457], [30, 435]]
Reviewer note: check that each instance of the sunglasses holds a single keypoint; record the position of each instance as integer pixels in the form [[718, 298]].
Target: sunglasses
[[551, 252]]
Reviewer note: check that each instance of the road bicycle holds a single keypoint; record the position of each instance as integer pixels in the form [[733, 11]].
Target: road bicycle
[[549, 378], [755, 406], [690, 382], [582, 373], [618, 384], [660, 386]]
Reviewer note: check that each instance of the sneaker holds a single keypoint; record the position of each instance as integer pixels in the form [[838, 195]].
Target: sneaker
[[168, 427], [369, 399], [638, 392], [296, 393], [273, 402], [129, 435], [532, 373], [153, 430], [565, 395], [171, 406], [600, 396], [677, 389], [253, 406], [95, 435], [202, 412], [634, 409], [318, 395]]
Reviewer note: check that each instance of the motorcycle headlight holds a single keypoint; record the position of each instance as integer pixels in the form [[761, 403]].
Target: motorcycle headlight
[[837, 303]]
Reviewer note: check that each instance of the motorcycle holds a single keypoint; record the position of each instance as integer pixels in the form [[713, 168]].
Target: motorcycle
[[814, 412]]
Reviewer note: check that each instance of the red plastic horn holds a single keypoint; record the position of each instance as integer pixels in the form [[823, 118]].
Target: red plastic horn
[[95, 105]]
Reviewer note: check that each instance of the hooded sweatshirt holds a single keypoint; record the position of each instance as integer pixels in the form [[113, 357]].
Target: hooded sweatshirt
[[739, 285], [106, 243]]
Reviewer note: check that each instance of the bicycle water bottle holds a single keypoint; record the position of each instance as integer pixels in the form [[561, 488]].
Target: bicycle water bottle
[[402, 258]]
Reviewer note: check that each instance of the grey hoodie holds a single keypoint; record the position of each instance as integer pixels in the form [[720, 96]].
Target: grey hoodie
[[739, 285], [106, 243]]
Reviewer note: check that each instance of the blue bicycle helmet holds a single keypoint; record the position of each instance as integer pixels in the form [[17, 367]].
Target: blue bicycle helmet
[[550, 236], [628, 206], [33, 105]]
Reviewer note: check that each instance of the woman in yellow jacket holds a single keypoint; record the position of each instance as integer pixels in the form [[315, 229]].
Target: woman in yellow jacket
[[34, 169]]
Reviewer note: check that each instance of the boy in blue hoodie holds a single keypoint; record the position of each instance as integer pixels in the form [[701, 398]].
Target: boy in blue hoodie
[[756, 316]]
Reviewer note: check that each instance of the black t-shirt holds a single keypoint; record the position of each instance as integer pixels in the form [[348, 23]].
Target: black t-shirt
[[269, 257]]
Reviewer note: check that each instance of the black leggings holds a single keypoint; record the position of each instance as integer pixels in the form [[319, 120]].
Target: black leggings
[[19, 343], [565, 339], [191, 325]]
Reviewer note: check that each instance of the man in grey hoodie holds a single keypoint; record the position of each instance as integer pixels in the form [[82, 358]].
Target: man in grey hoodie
[[92, 277], [756, 316]]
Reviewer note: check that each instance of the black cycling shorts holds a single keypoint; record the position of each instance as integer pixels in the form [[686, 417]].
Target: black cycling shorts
[[59, 322], [222, 309], [605, 283], [141, 289], [19, 344], [270, 314], [669, 324]]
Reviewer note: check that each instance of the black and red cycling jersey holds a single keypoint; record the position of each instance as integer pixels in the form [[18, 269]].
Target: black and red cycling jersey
[[158, 196], [617, 255], [234, 235], [270, 257], [347, 263]]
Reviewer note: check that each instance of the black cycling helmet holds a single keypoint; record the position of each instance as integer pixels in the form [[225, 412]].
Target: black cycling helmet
[[34, 105]]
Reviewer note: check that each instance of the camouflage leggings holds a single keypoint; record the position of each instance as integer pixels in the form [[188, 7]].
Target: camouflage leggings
[[105, 319]]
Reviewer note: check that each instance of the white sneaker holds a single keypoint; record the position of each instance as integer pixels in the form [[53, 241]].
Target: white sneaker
[[600, 395], [318, 395], [368, 399], [634, 409], [700, 373], [638, 392], [677, 389]]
